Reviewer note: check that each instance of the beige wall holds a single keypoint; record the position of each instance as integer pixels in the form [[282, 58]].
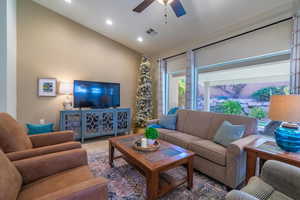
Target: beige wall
[[50, 45]]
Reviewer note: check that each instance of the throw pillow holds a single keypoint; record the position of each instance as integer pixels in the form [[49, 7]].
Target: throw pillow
[[173, 111], [228, 133], [39, 128], [168, 122]]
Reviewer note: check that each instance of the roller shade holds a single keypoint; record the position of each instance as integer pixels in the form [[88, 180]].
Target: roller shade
[[176, 64], [265, 41]]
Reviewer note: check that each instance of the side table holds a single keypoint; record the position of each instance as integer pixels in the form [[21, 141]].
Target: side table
[[265, 149]]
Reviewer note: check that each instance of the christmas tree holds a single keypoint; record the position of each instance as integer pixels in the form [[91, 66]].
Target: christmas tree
[[144, 94]]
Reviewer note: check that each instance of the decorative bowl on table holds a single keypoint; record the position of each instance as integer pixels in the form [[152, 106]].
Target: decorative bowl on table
[[288, 139], [137, 145]]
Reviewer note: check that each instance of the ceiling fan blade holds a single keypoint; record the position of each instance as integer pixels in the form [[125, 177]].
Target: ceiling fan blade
[[178, 8], [143, 5]]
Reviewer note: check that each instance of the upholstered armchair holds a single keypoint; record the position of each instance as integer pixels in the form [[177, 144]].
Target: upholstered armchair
[[58, 176], [278, 181], [17, 145]]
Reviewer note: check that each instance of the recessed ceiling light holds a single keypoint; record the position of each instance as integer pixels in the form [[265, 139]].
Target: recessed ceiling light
[[109, 22], [140, 39], [68, 1]]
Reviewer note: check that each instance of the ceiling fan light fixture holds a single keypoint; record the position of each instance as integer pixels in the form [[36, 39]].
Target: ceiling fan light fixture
[[164, 2]]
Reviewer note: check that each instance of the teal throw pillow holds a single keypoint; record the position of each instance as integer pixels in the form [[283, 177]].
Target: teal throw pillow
[[228, 133], [168, 122], [173, 111], [39, 128]]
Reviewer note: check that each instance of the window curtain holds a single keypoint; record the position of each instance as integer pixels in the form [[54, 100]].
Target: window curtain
[[190, 81], [162, 87], [295, 57]]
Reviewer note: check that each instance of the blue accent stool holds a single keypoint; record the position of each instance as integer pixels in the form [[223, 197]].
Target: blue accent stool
[[288, 139], [96, 122]]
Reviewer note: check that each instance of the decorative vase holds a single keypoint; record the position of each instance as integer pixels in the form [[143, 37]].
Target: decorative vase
[[288, 139]]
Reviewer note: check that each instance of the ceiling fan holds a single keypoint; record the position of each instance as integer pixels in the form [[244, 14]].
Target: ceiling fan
[[175, 4]]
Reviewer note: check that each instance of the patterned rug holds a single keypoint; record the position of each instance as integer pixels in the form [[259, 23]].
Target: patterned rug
[[126, 183]]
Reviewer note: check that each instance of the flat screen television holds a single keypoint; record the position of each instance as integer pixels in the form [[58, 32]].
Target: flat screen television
[[88, 94]]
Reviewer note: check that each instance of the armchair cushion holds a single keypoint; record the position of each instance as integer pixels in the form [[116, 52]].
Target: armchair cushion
[[279, 196], [53, 138], [283, 177], [19, 155], [239, 195], [55, 183], [40, 167], [12, 135], [10, 179], [93, 189], [258, 188]]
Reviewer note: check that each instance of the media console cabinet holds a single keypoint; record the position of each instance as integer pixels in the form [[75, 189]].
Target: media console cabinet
[[96, 122]]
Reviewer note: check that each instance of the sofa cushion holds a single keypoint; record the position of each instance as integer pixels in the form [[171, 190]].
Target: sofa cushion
[[194, 122], [10, 179], [12, 135], [217, 119], [210, 151], [178, 138], [55, 183]]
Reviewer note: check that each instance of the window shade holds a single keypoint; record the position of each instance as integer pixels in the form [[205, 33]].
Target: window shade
[[178, 63], [271, 39]]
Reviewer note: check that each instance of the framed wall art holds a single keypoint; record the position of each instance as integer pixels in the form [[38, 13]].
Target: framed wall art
[[47, 87]]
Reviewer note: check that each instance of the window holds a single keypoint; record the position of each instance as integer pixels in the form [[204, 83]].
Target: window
[[176, 89], [244, 90], [175, 82]]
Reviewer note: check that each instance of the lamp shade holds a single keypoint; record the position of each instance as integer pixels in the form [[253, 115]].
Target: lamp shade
[[66, 88], [285, 108]]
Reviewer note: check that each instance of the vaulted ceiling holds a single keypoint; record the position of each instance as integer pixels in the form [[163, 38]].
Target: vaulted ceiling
[[204, 18]]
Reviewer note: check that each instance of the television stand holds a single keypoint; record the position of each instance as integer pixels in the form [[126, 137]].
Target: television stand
[[92, 123]]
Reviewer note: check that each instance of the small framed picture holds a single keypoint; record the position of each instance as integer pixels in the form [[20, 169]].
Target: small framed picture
[[47, 87]]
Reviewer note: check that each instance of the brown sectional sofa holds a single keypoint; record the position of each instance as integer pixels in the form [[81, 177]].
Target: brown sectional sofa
[[195, 131]]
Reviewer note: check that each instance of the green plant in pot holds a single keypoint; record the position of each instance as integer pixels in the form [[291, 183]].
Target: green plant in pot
[[151, 134]]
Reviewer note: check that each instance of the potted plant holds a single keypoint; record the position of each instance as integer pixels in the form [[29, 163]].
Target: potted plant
[[151, 134]]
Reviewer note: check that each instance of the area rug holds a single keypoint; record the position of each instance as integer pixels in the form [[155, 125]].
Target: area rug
[[126, 183]]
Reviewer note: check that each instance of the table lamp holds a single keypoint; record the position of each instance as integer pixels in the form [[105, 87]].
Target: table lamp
[[286, 108], [66, 88]]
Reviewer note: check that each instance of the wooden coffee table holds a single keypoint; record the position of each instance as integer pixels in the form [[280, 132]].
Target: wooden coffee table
[[153, 165], [265, 149]]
